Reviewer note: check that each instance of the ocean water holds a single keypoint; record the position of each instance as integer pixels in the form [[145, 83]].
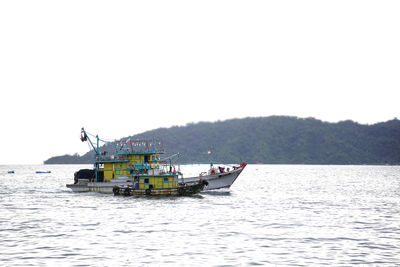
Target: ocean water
[[274, 215]]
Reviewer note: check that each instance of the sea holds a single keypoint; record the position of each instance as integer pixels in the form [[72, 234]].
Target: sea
[[273, 215]]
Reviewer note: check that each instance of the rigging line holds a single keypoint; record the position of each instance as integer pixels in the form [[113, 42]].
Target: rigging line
[[101, 139], [90, 148], [172, 156], [90, 134], [95, 136]]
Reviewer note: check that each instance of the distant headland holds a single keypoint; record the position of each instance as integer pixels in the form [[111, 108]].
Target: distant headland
[[274, 140]]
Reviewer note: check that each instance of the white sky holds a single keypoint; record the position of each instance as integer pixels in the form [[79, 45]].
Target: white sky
[[123, 67]]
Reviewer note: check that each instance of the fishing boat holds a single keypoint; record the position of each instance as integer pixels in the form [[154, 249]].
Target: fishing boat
[[135, 167]]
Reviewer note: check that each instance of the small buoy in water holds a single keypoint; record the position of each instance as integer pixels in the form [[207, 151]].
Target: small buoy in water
[[10, 171]]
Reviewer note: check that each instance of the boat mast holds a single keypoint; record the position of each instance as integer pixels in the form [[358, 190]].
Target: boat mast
[[85, 137]]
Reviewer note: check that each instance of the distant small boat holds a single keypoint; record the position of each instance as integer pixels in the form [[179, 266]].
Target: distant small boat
[[10, 171], [43, 171]]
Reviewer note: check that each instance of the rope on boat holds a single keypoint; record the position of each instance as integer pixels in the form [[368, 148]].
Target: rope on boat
[[172, 156], [199, 163]]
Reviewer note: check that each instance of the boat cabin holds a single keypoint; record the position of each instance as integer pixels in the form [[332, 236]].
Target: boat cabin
[[138, 161]]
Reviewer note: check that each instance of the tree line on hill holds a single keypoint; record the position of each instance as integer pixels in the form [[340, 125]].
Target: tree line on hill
[[274, 140]]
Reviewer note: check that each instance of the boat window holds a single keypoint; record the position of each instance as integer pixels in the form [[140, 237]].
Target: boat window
[[146, 180], [166, 179]]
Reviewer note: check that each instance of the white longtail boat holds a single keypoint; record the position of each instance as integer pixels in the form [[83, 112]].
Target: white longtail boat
[[217, 177]]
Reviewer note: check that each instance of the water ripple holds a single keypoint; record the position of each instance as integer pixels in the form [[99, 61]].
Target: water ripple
[[274, 215]]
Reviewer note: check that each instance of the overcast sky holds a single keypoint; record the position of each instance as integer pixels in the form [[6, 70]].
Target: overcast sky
[[124, 67]]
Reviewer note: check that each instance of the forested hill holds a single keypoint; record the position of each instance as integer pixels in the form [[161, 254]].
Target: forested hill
[[275, 140]]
